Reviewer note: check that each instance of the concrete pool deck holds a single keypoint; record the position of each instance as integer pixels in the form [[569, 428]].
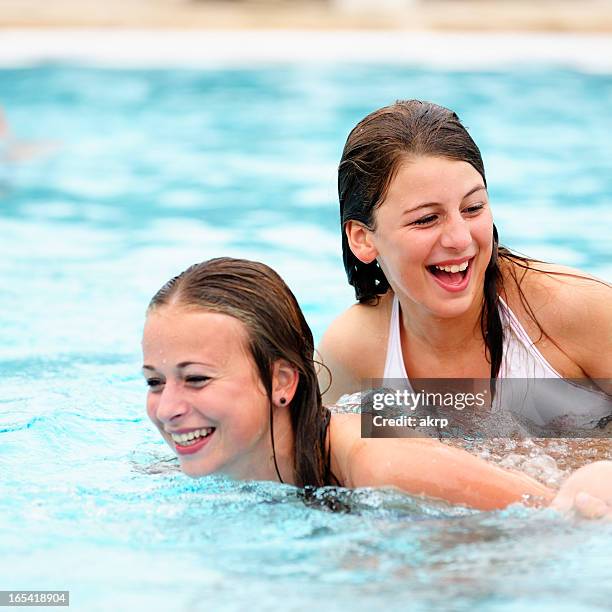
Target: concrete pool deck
[[124, 48], [462, 34], [590, 16]]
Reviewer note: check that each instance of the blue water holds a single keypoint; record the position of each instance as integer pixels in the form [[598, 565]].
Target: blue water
[[147, 171]]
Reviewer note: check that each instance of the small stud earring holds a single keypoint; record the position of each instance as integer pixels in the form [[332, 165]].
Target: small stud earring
[[283, 401]]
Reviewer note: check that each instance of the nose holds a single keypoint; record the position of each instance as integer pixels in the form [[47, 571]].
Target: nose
[[171, 405], [456, 234]]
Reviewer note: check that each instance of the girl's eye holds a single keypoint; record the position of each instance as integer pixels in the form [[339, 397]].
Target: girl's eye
[[153, 383], [425, 220], [197, 380], [474, 208]]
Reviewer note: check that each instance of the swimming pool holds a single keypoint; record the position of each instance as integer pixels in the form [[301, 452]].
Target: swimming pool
[[154, 169]]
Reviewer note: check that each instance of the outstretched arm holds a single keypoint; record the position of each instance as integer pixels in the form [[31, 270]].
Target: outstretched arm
[[422, 466], [428, 467]]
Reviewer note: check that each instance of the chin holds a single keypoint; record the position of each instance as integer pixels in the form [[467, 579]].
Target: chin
[[451, 309], [193, 471]]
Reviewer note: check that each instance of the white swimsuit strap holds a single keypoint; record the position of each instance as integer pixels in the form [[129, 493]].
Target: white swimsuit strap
[[394, 362], [521, 359], [520, 335]]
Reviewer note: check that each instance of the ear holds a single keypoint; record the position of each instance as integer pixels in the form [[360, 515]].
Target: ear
[[360, 241], [285, 378]]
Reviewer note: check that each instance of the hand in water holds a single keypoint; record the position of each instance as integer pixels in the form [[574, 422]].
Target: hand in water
[[587, 492]]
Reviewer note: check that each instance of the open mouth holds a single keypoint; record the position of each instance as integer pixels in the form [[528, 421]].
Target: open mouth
[[189, 443], [453, 277]]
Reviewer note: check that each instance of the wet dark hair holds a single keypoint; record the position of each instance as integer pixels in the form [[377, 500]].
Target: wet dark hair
[[259, 298], [373, 153]]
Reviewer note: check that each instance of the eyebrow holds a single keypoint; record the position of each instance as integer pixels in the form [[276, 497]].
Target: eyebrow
[[180, 366], [426, 204]]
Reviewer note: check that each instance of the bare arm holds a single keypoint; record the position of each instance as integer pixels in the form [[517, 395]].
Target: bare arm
[[422, 466], [430, 468]]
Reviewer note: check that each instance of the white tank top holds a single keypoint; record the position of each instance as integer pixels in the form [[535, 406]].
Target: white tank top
[[521, 359]]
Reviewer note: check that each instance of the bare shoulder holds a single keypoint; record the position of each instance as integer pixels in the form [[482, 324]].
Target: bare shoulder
[[364, 461], [354, 459], [353, 348], [564, 296], [345, 433], [572, 307]]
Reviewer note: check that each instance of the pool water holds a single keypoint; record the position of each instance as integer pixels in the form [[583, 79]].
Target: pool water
[[117, 180]]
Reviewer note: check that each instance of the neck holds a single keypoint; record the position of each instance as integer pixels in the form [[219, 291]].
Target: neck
[[284, 444], [260, 465], [441, 335]]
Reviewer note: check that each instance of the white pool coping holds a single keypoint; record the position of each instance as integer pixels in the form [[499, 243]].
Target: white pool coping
[[235, 48]]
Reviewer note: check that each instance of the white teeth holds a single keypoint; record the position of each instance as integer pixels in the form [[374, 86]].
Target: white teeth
[[454, 268], [192, 436]]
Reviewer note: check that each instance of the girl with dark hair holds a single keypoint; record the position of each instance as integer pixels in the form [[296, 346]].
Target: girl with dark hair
[[438, 297], [228, 359]]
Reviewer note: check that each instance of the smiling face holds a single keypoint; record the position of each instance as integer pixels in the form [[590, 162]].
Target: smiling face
[[205, 395], [434, 235]]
